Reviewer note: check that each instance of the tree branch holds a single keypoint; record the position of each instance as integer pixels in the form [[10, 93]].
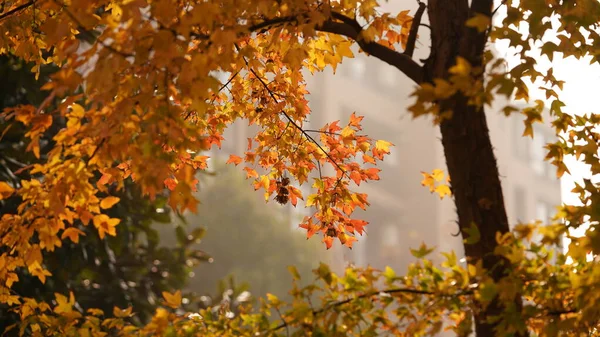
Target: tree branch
[[414, 29], [371, 294], [349, 28], [402, 62], [16, 9]]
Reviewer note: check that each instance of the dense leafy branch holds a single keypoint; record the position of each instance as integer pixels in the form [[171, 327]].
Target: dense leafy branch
[[16, 9], [350, 28], [384, 292], [290, 120]]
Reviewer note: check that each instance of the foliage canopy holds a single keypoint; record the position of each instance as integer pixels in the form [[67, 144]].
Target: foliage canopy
[[139, 92]]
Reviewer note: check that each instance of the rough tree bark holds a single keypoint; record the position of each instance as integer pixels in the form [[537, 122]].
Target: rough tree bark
[[469, 153]]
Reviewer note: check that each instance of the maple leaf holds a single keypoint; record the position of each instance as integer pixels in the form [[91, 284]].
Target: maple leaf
[[105, 225], [233, 159], [122, 313], [172, 300], [443, 190], [72, 233], [5, 190]]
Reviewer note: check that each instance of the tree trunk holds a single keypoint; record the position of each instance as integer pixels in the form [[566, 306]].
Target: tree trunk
[[469, 154]]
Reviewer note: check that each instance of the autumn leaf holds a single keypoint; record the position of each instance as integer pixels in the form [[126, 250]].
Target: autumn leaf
[[5, 190], [122, 313], [105, 225], [172, 300], [479, 21], [233, 159], [383, 146], [443, 190], [461, 68], [109, 202], [72, 233]]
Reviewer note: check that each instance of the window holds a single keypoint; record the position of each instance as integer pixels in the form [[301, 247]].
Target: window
[[543, 212], [520, 144], [520, 204], [538, 153]]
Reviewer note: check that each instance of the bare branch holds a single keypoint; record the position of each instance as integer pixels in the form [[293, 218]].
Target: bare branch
[[414, 29]]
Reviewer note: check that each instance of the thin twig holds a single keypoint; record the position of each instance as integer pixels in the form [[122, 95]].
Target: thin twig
[[497, 8], [325, 132]]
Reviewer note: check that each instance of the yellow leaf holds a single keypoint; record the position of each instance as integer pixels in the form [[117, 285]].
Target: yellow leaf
[[72, 233], [105, 225], [438, 175], [122, 313], [173, 300], [480, 22], [5, 190], [311, 200], [347, 132], [442, 191], [428, 181], [343, 49], [108, 202], [383, 145], [272, 299], [461, 68]]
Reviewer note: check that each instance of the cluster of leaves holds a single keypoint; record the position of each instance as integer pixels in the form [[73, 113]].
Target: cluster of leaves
[[129, 269], [369, 302]]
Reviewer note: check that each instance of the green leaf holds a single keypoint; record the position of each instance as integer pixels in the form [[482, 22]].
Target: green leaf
[[471, 234], [294, 271], [422, 251], [324, 273]]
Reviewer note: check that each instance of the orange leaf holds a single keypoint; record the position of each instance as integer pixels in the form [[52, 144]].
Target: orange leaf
[[233, 159], [328, 240], [170, 183], [173, 300], [372, 173], [5, 190], [72, 233], [355, 121], [250, 173], [108, 202]]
